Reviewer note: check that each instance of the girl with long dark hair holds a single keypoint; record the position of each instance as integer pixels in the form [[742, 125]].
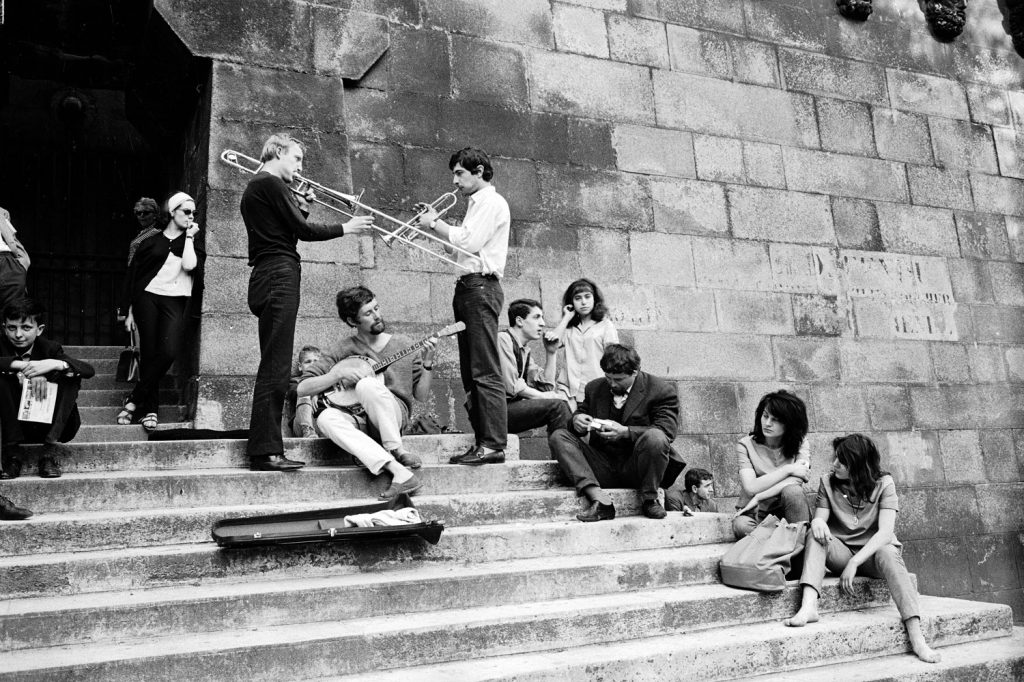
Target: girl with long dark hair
[[584, 332], [853, 532], [774, 463]]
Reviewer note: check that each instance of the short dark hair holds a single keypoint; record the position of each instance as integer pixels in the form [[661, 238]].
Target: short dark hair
[[471, 157], [350, 300], [619, 359], [521, 307], [694, 477], [25, 309], [584, 284], [789, 409]]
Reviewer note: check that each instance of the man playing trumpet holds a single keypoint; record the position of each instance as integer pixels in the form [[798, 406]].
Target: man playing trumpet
[[275, 219], [478, 299], [371, 429]]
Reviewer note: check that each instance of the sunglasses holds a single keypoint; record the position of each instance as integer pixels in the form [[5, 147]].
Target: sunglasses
[[143, 212], [186, 211]]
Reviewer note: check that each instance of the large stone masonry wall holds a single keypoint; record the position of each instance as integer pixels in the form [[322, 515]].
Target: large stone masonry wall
[[771, 196]]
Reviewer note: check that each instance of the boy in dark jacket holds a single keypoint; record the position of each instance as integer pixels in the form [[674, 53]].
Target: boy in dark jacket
[[25, 356]]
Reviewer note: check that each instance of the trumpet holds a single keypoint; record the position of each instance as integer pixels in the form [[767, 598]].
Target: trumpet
[[442, 205], [348, 204]]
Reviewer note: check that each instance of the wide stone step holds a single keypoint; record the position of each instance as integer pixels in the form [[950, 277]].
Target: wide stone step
[[187, 489], [78, 531], [91, 353], [992, 660], [107, 416], [113, 397], [729, 653], [76, 619], [115, 433], [141, 567], [217, 454], [371, 644], [106, 381]]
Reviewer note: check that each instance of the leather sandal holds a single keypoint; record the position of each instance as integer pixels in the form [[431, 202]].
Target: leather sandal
[[149, 422], [126, 416]]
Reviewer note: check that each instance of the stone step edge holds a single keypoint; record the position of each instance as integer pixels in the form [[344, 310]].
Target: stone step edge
[[627, 504], [996, 659], [95, 617], [714, 651], [566, 617], [469, 532]]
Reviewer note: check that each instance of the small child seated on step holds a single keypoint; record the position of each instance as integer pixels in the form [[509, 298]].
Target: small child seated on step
[[301, 423]]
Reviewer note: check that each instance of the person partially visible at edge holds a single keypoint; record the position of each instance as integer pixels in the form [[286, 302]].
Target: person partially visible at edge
[[478, 299], [774, 463], [29, 361], [853, 533], [584, 332], [275, 220], [632, 418], [14, 263]]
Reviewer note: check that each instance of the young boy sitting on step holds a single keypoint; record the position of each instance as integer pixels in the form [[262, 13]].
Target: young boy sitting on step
[[28, 358]]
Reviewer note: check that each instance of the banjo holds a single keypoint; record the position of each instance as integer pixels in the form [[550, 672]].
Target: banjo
[[345, 398]]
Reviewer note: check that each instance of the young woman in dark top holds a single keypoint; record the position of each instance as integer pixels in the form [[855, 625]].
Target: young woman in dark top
[[853, 533], [158, 288]]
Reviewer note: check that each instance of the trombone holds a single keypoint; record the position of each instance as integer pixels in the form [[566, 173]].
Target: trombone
[[405, 231]]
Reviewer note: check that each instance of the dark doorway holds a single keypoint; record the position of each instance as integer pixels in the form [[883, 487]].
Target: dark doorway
[[97, 102]]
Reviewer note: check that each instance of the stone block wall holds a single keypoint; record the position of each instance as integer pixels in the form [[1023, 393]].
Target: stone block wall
[[770, 195]]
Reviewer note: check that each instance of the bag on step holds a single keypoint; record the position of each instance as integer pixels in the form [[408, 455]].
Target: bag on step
[[761, 560], [128, 361]]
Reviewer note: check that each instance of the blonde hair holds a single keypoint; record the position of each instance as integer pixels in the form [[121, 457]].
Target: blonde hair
[[277, 144]]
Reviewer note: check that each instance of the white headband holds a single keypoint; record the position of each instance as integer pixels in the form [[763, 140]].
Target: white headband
[[177, 200]]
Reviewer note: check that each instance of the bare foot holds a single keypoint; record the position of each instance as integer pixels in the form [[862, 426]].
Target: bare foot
[[925, 652], [801, 618]]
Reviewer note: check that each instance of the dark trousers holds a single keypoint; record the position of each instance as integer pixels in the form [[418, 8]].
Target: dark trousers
[[274, 299], [66, 420], [641, 469], [12, 279], [530, 413], [161, 324], [478, 301]]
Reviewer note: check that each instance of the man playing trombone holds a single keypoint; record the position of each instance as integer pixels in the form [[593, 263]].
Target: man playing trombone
[[275, 219], [481, 248]]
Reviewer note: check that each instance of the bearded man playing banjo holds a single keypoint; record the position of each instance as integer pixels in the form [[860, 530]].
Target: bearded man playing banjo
[[361, 410]]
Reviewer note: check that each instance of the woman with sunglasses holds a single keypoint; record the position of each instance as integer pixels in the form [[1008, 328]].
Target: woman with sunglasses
[[157, 288]]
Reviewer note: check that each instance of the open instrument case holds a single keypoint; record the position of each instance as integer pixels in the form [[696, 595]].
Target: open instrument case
[[321, 525]]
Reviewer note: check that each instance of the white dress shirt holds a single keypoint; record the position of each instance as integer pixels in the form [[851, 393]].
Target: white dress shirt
[[484, 231]]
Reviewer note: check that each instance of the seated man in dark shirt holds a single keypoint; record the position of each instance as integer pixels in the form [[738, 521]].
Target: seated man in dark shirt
[[27, 357]]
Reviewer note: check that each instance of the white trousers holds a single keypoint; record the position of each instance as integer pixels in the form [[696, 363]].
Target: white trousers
[[383, 412]]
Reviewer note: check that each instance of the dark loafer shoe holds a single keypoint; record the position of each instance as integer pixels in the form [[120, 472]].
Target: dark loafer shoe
[[11, 512], [476, 457], [597, 512], [407, 459], [653, 510], [275, 463], [49, 468], [454, 459]]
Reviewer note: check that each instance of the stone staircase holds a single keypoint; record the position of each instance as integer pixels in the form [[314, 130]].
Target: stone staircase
[[116, 578]]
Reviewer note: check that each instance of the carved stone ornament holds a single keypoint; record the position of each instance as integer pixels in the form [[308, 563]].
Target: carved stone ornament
[[858, 10], [946, 17]]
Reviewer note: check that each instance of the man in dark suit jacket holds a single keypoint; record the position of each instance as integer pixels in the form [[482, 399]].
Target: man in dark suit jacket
[[25, 356], [632, 417]]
